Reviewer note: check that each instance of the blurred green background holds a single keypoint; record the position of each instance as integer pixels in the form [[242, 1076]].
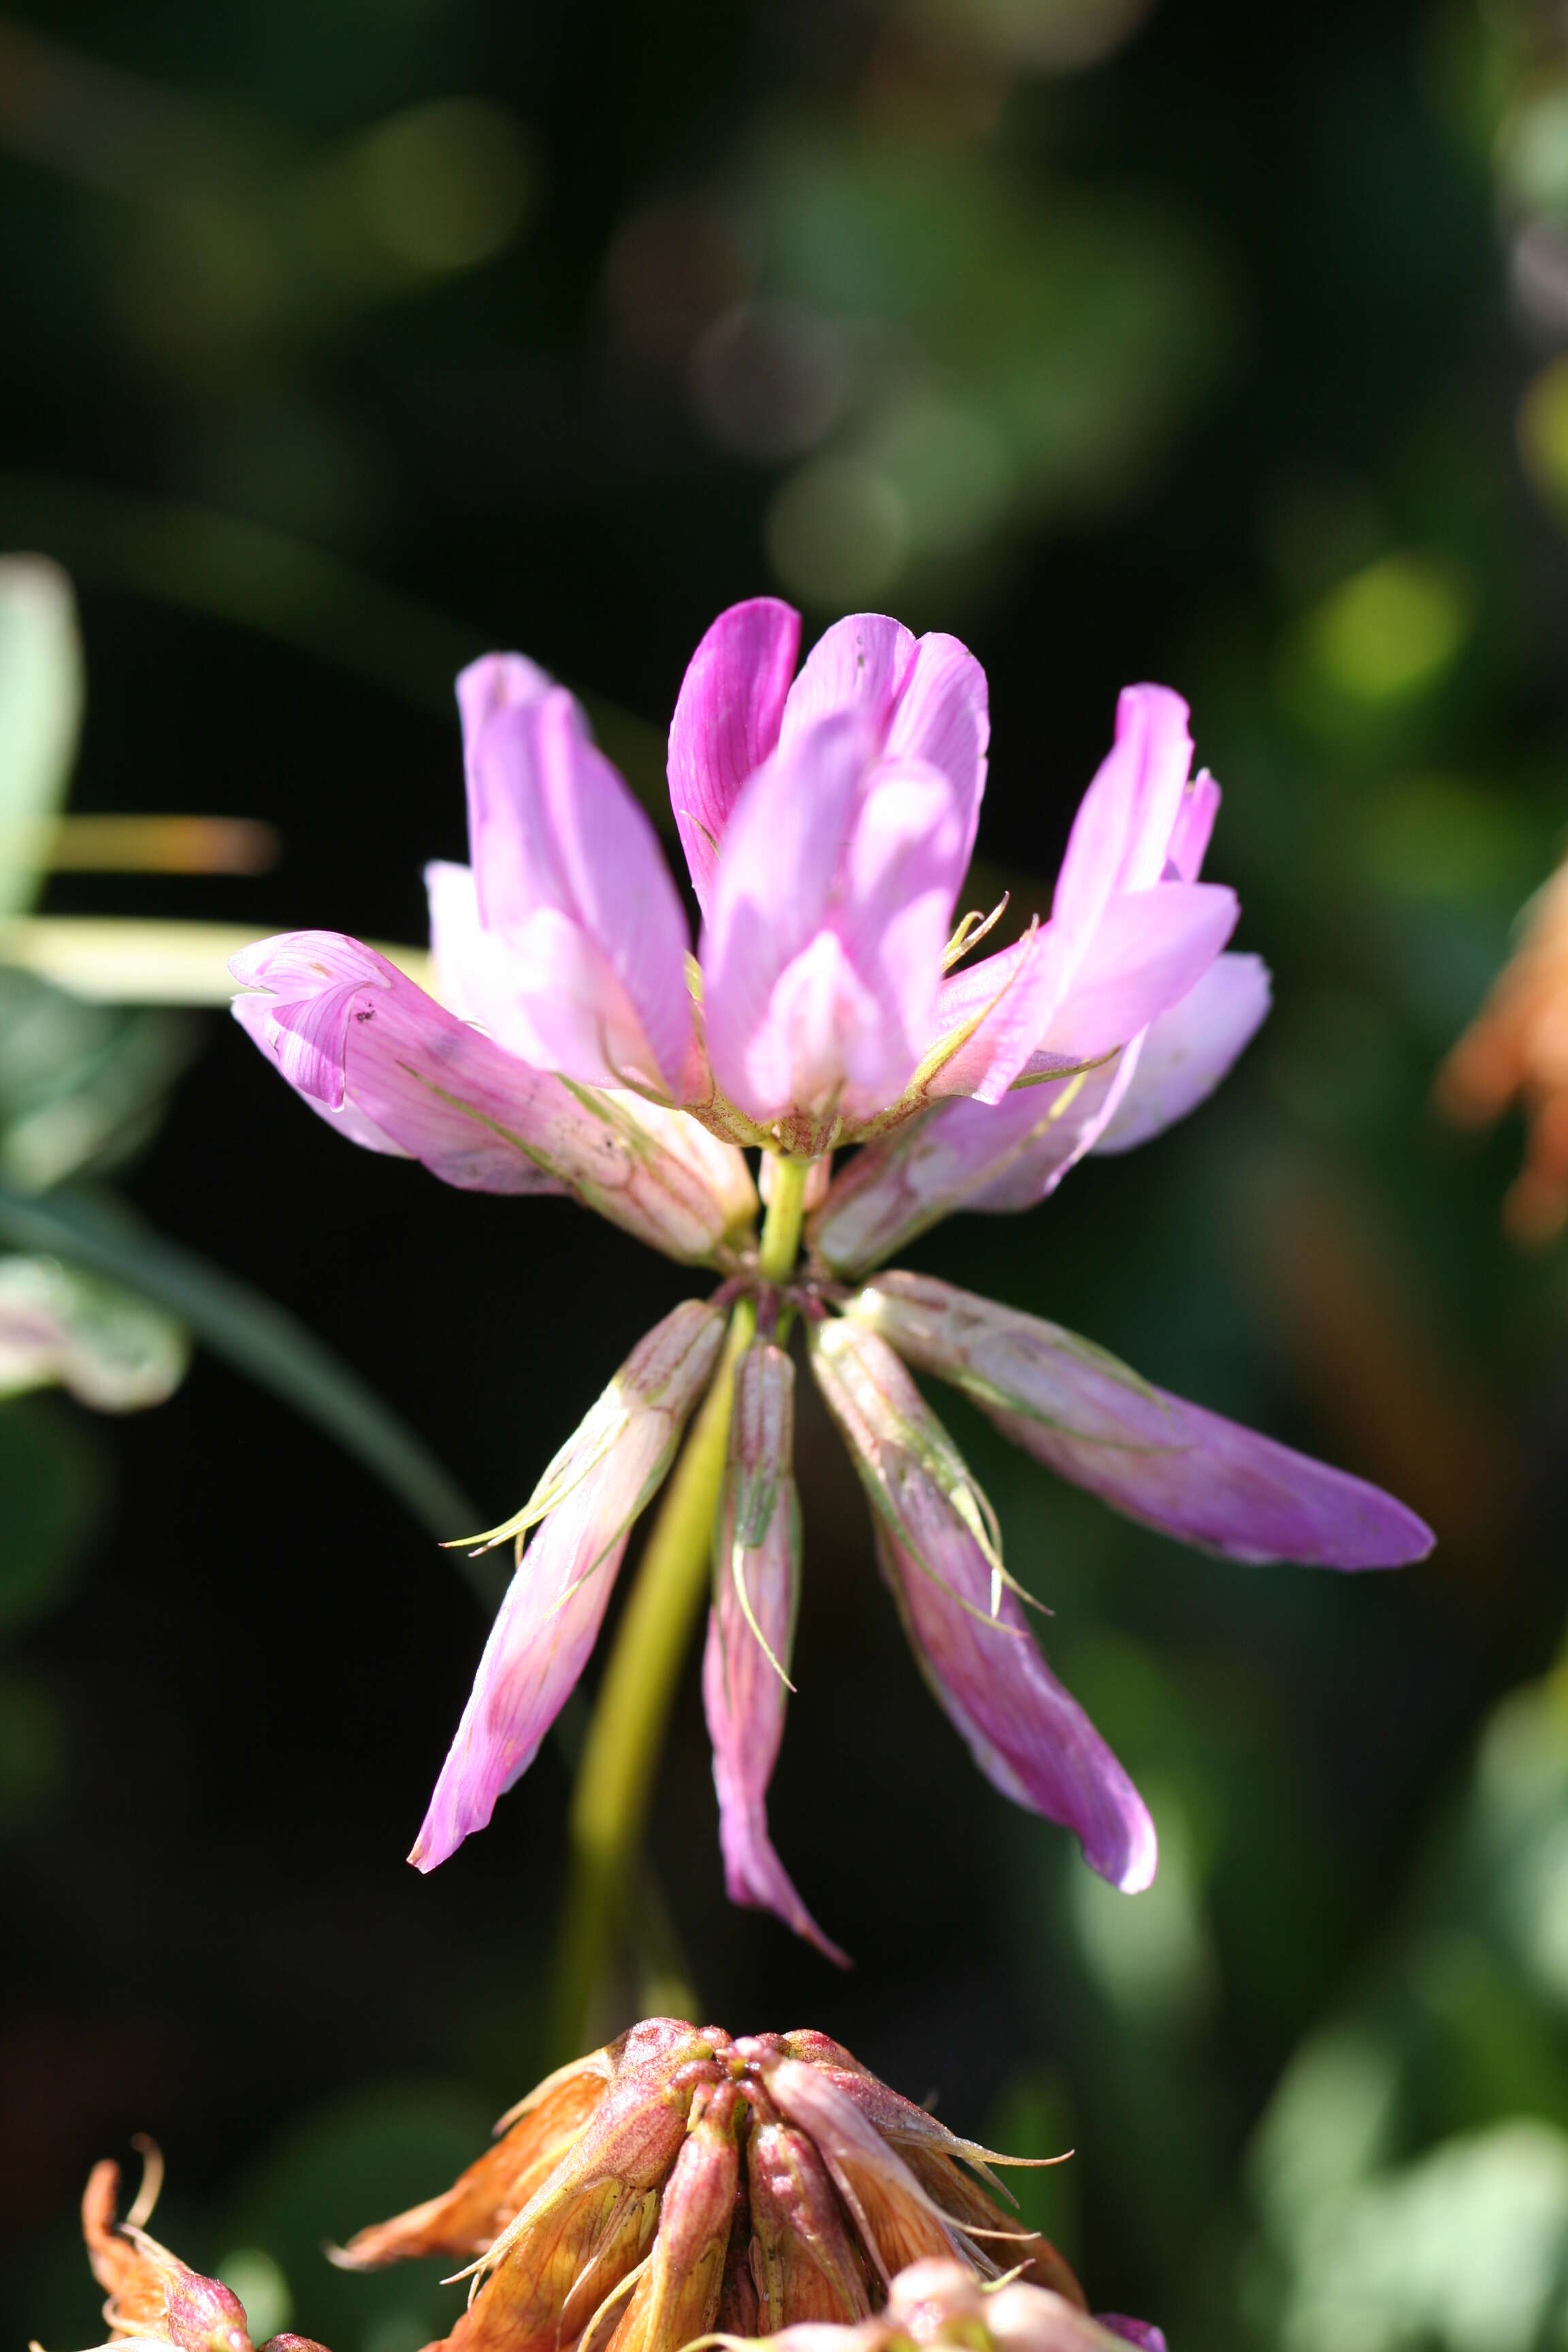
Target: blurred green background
[[1171, 339]]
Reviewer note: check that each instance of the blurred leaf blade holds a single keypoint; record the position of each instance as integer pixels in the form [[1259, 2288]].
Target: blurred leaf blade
[[252, 1335]]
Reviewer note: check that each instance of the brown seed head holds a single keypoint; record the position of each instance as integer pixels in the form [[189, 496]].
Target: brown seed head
[[151, 2293], [681, 2181]]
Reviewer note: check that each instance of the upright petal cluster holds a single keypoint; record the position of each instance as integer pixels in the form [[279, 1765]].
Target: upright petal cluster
[[681, 2182], [827, 819]]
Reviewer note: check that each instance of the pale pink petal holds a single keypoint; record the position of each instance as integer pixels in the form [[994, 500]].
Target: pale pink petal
[[499, 682], [771, 898], [823, 951], [477, 969], [547, 1624], [726, 723], [964, 1155], [988, 1019], [859, 665], [1120, 837], [967, 1628], [348, 1029], [557, 840], [538, 1647], [1194, 826], [1179, 1468], [942, 717], [1149, 949], [1188, 1050]]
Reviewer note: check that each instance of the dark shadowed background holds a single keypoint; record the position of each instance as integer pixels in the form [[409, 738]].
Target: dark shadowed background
[[1192, 342]]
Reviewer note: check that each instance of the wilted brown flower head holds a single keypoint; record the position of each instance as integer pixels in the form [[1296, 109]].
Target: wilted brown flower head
[[153, 2296], [1517, 1046], [680, 2182]]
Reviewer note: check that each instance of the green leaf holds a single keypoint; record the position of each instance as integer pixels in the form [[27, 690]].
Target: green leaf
[[41, 696], [81, 1086]]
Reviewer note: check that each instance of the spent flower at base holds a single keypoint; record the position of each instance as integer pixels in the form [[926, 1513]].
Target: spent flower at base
[[827, 819], [681, 2182]]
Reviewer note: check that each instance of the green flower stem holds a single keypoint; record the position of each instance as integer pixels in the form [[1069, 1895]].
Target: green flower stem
[[626, 1738]]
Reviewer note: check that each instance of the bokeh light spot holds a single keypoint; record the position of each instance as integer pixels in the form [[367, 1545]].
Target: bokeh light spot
[[261, 2286], [1391, 632], [837, 531], [446, 187]]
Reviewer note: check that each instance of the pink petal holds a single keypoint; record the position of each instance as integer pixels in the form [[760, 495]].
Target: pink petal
[[1189, 1049], [538, 1646], [370, 1050], [1149, 949], [1028, 1736], [974, 1644], [962, 1155], [942, 717], [547, 1624], [1133, 2331], [568, 871], [499, 682], [859, 665], [743, 1693], [1179, 1468], [995, 1010], [1195, 824], [1121, 835], [726, 723]]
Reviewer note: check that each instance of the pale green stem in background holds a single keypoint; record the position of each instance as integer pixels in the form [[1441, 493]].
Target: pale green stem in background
[[626, 1738]]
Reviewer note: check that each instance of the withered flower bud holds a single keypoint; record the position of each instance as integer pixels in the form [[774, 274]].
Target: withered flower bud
[[710, 2185], [153, 2296]]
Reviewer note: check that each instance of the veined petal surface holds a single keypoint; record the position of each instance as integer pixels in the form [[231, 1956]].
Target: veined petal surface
[[1177, 1467], [750, 1634], [965, 1155], [396, 1072], [726, 723]]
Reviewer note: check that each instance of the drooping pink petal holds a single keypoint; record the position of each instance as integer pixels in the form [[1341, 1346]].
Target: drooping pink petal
[[822, 952], [547, 1624], [964, 1155], [1185, 1471], [966, 1626], [396, 1071], [1189, 1049], [726, 723], [751, 1633], [1149, 949], [569, 874]]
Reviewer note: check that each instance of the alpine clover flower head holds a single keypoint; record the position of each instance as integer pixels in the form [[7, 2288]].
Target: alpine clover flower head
[[154, 2297], [680, 2184], [828, 819]]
